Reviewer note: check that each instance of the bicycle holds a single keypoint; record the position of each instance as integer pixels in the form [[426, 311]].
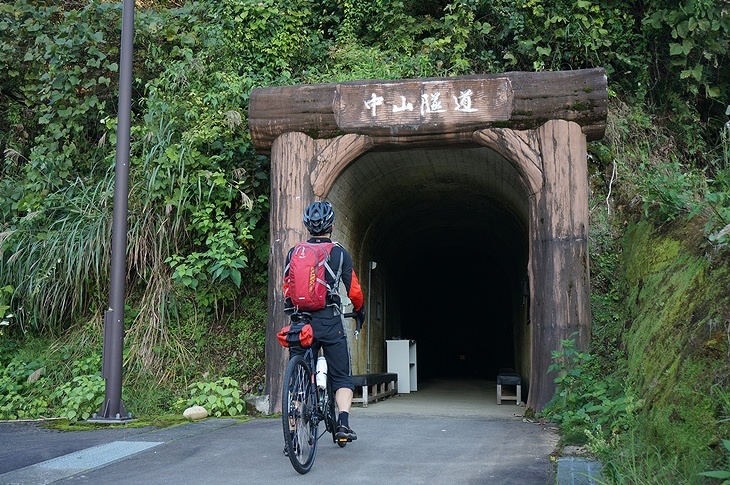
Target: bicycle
[[304, 405]]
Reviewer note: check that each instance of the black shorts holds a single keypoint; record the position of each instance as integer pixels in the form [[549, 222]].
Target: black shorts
[[329, 334]]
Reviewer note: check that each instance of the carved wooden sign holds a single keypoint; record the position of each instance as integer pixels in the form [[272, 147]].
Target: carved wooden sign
[[414, 106]]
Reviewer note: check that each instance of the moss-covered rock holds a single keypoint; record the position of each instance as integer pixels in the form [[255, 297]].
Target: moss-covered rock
[[678, 303]]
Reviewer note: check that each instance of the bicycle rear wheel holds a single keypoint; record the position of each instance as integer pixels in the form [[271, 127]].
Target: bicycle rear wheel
[[297, 414]]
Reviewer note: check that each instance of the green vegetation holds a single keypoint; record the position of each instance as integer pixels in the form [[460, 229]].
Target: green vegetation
[[721, 474], [220, 397], [662, 411], [650, 396]]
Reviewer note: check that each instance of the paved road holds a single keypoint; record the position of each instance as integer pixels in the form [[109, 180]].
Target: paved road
[[434, 436]]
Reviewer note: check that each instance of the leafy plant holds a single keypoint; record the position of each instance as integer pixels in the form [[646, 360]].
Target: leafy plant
[[586, 405], [22, 392], [723, 475], [717, 197], [81, 397], [56, 258], [570, 364], [668, 190], [223, 258], [6, 293], [218, 398], [631, 460], [699, 40]]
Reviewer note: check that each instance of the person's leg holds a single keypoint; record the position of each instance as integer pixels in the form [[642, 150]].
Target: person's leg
[[331, 335], [338, 367], [343, 396]]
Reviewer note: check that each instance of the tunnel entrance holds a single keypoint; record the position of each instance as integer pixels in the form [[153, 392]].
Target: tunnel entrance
[[448, 231], [464, 203]]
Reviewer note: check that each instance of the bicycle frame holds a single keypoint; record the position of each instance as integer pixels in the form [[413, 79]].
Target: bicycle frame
[[305, 405], [325, 396]]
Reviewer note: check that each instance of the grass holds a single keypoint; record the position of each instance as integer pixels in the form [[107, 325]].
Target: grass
[[639, 462], [157, 421]]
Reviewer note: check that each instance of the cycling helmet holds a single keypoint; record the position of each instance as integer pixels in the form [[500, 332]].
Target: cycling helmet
[[318, 217]]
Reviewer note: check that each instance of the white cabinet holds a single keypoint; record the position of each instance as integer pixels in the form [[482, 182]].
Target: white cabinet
[[402, 361]]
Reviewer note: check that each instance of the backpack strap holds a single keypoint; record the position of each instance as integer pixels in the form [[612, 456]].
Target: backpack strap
[[336, 276]]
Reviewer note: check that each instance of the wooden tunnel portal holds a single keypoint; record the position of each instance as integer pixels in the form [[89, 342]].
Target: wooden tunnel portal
[[464, 202]]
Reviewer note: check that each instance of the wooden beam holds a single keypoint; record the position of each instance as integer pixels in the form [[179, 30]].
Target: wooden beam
[[518, 148], [432, 111]]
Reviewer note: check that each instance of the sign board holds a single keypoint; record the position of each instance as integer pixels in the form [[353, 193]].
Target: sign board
[[422, 106]]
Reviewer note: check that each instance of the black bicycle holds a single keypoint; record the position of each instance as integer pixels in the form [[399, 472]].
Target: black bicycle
[[304, 405]]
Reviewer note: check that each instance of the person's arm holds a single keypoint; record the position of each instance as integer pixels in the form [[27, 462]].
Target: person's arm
[[352, 284], [354, 291], [358, 300]]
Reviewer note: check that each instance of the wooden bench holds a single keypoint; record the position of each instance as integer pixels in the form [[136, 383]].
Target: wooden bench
[[373, 387], [508, 377]]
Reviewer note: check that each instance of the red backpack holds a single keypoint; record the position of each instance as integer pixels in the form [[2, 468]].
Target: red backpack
[[306, 276]]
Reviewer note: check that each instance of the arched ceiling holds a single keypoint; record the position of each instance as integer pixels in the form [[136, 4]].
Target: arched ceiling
[[467, 197]]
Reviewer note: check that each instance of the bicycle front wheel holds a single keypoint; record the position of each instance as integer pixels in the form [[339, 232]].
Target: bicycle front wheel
[[298, 414]]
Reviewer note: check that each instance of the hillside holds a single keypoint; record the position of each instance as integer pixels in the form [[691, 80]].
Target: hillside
[[650, 395]]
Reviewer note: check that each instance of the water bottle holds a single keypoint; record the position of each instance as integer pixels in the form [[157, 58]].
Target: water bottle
[[321, 372]]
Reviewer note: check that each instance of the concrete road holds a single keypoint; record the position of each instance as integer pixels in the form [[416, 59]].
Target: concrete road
[[445, 433]]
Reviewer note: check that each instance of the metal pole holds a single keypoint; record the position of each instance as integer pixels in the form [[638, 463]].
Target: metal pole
[[113, 407], [371, 267]]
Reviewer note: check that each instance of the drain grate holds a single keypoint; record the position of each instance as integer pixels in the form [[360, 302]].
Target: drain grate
[[77, 462], [578, 471]]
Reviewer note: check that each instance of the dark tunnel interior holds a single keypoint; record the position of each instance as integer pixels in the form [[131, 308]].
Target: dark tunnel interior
[[458, 309], [448, 230]]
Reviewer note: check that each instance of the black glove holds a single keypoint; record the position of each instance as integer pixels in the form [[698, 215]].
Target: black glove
[[360, 317]]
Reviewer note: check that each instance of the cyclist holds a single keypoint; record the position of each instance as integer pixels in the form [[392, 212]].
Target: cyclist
[[327, 323]]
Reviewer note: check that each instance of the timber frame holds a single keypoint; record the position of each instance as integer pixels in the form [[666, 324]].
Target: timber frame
[[539, 122]]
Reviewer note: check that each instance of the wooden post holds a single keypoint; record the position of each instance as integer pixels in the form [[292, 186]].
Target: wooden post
[[559, 273], [292, 155]]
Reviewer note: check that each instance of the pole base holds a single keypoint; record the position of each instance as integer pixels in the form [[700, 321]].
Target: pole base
[[104, 415], [95, 418]]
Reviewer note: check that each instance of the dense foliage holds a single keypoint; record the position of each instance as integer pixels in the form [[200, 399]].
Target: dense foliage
[[198, 198]]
